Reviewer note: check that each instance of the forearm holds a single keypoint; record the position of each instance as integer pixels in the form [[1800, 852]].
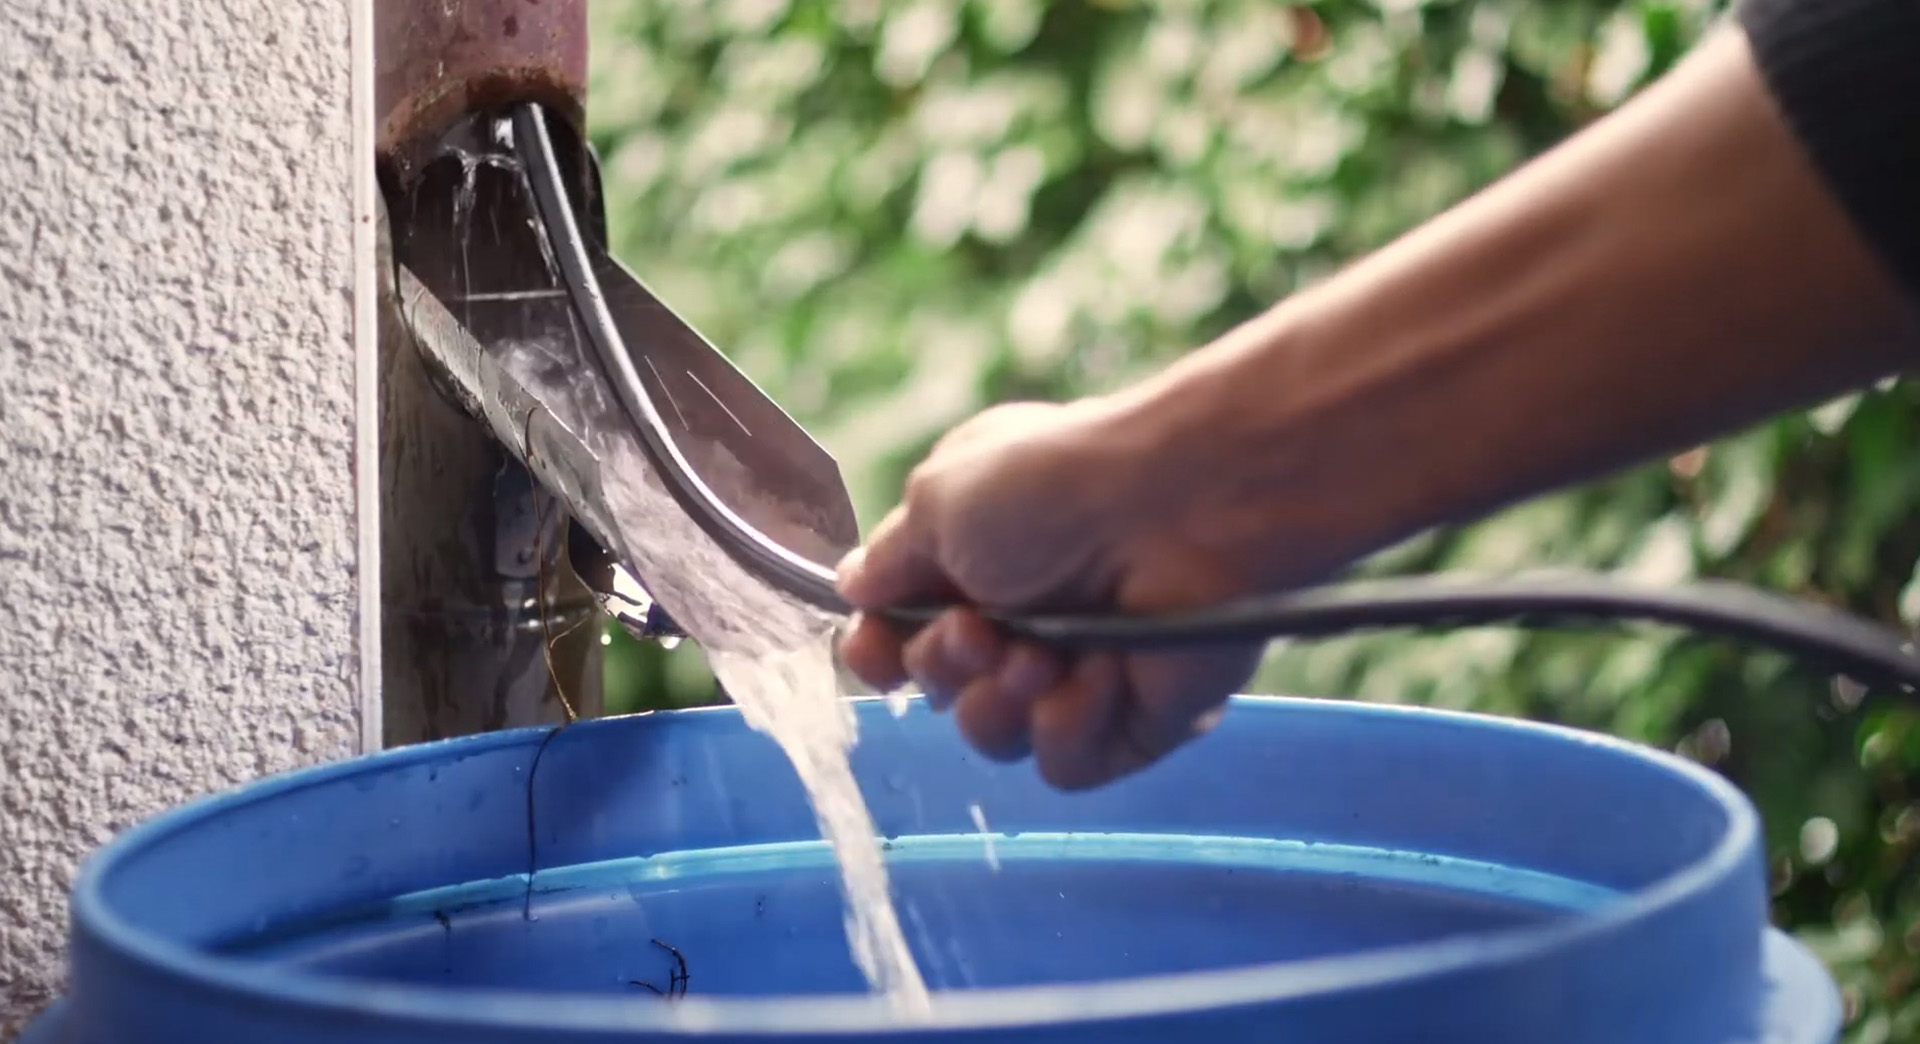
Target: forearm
[[1673, 272]]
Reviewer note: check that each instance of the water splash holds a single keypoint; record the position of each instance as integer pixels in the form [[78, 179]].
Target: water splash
[[986, 835], [466, 197]]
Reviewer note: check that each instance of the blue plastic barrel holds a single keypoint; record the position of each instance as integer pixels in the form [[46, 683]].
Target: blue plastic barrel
[[1310, 872]]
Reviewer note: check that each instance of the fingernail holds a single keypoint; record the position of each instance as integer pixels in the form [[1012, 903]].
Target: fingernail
[[847, 576], [936, 700], [971, 655], [1026, 674]]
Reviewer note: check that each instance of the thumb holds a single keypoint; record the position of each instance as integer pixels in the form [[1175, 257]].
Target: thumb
[[897, 567]]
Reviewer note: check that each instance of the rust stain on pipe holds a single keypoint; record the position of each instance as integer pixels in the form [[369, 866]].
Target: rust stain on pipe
[[438, 60]]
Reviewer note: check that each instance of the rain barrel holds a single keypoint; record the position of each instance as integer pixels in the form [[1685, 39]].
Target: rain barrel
[[1319, 872]]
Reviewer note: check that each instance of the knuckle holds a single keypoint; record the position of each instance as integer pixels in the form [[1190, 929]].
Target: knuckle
[[984, 722], [931, 659], [921, 488], [920, 656], [876, 668]]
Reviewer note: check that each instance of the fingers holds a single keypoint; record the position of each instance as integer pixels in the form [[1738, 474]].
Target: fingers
[[1027, 672], [1114, 715], [972, 531], [958, 648], [1073, 724], [874, 650], [995, 712], [1086, 721], [898, 566], [995, 727], [961, 660]]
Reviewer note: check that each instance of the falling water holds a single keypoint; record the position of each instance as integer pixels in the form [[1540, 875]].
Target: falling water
[[466, 199], [772, 654], [793, 695]]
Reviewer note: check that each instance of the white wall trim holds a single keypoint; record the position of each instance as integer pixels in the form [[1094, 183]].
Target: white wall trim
[[366, 357]]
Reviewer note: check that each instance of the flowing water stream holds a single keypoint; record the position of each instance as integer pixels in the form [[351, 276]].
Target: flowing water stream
[[794, 696], [772, 654]]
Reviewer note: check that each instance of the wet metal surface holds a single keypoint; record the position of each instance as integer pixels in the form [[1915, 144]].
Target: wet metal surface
[[510, 351], [475, 576]]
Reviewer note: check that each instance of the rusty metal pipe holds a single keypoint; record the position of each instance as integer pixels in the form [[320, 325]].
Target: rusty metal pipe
[[475, 575], [437, 61]]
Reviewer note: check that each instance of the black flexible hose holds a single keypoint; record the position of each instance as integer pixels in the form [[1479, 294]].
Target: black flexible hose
[[1862, 649], [1866, 651]]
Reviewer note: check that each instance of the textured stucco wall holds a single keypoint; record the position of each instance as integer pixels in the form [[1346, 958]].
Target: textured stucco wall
[[177, 535]]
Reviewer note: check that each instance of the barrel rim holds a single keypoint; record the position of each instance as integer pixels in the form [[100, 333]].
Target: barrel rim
[[973, 1009]]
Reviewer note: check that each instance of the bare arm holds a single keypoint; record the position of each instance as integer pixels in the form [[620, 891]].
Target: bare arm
[[1673, 272]]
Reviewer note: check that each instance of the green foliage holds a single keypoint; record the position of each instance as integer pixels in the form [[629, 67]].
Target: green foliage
[[893, 214]]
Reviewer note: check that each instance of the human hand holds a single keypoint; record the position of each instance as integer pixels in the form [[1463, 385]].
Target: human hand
[[1035, 508], [1519, 342]]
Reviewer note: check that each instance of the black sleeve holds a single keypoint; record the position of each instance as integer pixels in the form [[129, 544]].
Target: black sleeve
[[1846, 75]]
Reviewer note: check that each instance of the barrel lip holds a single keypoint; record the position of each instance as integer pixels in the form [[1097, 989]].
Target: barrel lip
[[975, 1009]]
